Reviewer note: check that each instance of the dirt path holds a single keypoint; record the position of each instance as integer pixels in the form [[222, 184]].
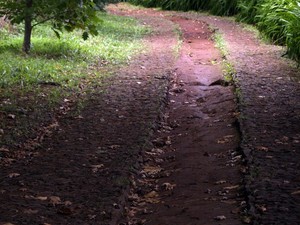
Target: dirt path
[[191, 176], [79, 174], [270, 93], [160, 145]]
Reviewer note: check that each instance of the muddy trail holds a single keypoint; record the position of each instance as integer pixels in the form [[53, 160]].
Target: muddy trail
[[169, 141]]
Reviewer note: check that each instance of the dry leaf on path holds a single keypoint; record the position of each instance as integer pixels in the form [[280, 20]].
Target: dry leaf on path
[[42, 198], [231, 187], [219, 218], [262, 148], [54, 200], [296, 192], [11, 116], [261, 208], [4, 150], [152, 197], [220, 182], [12, 175], [96, 168], [151, 170], [168, 186]]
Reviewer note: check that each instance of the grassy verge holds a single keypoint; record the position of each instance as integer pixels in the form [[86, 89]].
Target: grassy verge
[[65, 61], [58, 72], [227, 68]]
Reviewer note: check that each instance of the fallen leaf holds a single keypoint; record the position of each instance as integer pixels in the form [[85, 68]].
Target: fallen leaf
[[92, 217], [54, 200], [131, 213], [261, 208], [221, 182], [296, 192], [231, 187], [219, 218], [151, 170], [152, 197], [12, 175], [168, 186], [11, 116], [95, 168], [4, 150], [226, 139], [152, 194], [68, 203], [114, 146], [42, 198], [262, 148]]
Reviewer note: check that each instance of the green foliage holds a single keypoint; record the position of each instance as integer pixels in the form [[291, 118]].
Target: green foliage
[[64, 15], [280, 21], [67, 60], [293, 34], [247, 10], [217, 7], [68, 14]]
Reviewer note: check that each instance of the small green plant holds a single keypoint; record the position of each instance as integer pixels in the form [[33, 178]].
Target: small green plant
[[179, 37], [227, 68], [220, 43], [228, 72]]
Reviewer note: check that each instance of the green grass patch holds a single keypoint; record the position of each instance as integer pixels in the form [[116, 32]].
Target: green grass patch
[[227, 68], [66, 60], [179, 37]]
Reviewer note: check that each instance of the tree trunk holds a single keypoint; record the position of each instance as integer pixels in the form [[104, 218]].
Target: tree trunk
[[28, 27]]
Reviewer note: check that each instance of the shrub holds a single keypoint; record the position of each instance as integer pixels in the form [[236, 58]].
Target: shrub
[[247, 10]]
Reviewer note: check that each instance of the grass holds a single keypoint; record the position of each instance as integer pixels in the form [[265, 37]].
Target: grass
[[67, 60], [179, 37], [220, 43], [227, 68]]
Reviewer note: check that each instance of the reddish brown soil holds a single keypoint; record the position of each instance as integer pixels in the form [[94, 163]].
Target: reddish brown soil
[[191, 176], [160, 145]]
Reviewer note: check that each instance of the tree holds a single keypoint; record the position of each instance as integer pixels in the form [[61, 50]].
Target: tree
[[62, 14]]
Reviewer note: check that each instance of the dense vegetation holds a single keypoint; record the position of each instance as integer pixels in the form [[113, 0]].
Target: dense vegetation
[[279, 20]]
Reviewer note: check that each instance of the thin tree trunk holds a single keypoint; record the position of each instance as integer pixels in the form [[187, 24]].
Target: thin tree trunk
[[28, 28]]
